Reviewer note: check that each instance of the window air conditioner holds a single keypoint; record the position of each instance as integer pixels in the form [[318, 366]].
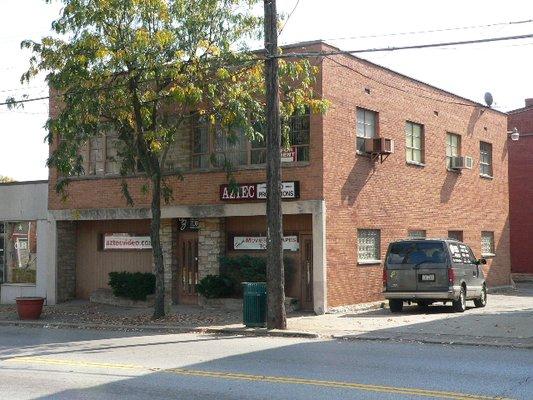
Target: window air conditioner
[[462, 162], [379, 145]]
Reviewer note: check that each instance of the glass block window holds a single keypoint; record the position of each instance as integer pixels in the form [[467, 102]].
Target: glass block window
[[416, 233], [487, 243], [414, 142], [368, 244], [453, 147], [366, 127], [457, 235], [485, 159]]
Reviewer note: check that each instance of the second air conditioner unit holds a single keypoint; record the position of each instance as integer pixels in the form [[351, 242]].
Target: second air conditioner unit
[[379, 145], [462, 162]]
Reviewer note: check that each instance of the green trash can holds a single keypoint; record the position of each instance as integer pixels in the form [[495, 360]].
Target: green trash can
[[254, 304]]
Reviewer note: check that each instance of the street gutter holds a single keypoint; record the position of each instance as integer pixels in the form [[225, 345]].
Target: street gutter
[[522, 343]]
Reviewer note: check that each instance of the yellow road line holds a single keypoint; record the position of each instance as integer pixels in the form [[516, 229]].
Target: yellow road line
[[262, 378]]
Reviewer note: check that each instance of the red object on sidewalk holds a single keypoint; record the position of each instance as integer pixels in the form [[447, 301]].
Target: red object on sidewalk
[[29, 307]]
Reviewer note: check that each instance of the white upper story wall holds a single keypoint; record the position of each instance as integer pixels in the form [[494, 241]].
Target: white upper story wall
[[24, 201]]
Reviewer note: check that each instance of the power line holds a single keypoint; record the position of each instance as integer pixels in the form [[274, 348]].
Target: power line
[[398, 88], [455, 28], [289, 17], [411, 47], [327, 54]]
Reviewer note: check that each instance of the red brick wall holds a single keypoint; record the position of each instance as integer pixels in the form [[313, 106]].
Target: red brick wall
[[521, 191], [360, 193], [394, 196], [196, 188]]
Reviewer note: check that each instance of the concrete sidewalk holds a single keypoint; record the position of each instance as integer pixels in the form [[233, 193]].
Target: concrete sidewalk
[[507, 320]]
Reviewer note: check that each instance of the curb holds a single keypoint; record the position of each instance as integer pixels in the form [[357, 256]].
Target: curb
[[263, 332], [165, 328], [456, 341]]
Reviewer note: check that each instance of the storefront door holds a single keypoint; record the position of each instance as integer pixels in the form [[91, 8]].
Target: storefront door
[[306, 258], [187, 267]]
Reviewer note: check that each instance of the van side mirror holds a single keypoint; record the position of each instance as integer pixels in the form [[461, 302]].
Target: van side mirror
[[481, 261]]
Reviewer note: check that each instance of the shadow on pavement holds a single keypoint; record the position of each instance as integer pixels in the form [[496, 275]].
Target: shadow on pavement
[[409, 366]]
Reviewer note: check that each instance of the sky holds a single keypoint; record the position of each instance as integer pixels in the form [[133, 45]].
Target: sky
[[502, 68]]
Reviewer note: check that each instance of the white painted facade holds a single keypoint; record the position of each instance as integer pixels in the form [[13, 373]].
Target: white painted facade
[[22, 202]]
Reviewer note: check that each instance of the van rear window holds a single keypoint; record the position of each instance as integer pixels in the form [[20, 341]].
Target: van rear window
[[416, 252]]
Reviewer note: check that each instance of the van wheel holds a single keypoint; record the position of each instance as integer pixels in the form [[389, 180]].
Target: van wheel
[[460, 304], [395, 305], [482, 300]]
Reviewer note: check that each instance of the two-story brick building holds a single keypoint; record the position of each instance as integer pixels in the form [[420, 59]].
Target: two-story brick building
[[442, 173], [521, 189]]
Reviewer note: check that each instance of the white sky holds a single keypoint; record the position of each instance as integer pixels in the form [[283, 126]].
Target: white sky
[[504, 68]]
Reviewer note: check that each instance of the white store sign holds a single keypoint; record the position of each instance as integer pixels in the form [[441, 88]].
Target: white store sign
[[113, 242], [288, 191], [290, 243]]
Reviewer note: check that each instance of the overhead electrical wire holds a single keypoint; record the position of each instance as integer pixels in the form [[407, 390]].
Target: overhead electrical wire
[[396, 48], [455, 28], [328, 54], [289, 17]]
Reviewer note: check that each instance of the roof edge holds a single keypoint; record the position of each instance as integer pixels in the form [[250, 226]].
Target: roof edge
[[335, 48]]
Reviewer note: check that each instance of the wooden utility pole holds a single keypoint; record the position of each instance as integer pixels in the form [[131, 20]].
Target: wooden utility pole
[[276, 318]]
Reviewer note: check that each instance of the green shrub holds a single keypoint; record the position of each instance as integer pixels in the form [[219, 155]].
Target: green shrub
[[215, 286], [247, 268], [132, 285]]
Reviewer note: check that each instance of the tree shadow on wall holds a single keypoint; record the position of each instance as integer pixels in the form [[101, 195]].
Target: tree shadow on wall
[[447, 187], [359, 176]]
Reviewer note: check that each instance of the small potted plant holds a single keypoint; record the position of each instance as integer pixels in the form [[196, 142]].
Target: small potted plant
[[29, 307]]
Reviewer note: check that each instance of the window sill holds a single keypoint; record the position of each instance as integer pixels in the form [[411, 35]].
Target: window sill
[[488, 255], [368, 262], [489, 177], [416, 164]]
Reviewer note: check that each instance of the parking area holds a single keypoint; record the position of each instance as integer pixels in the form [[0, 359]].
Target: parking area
[[507, 319]]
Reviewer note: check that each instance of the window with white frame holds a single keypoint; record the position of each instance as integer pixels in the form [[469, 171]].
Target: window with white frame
[[416, 233], [487, 243], [368, 245], [453, 148], [485, 159], [366, 127], [414, 142]]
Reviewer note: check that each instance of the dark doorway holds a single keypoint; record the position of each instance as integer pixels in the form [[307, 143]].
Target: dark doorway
[[306, 258], [187, 267]]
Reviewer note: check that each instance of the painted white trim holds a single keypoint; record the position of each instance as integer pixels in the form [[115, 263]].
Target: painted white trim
[[368, 262], [320, 283]]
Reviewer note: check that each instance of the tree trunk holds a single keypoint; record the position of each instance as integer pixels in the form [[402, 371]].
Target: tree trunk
[[276, 317], [157, 251]]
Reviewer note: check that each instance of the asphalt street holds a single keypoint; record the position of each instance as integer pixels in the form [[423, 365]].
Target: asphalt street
[[81, 364]]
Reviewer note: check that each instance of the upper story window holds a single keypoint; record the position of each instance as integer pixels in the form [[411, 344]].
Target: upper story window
[[213, 149], [453, 148], [101, 155], [414, 143], [485, 159], [366, 127]]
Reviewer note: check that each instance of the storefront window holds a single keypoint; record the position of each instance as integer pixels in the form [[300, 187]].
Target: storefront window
[[18, 251]]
